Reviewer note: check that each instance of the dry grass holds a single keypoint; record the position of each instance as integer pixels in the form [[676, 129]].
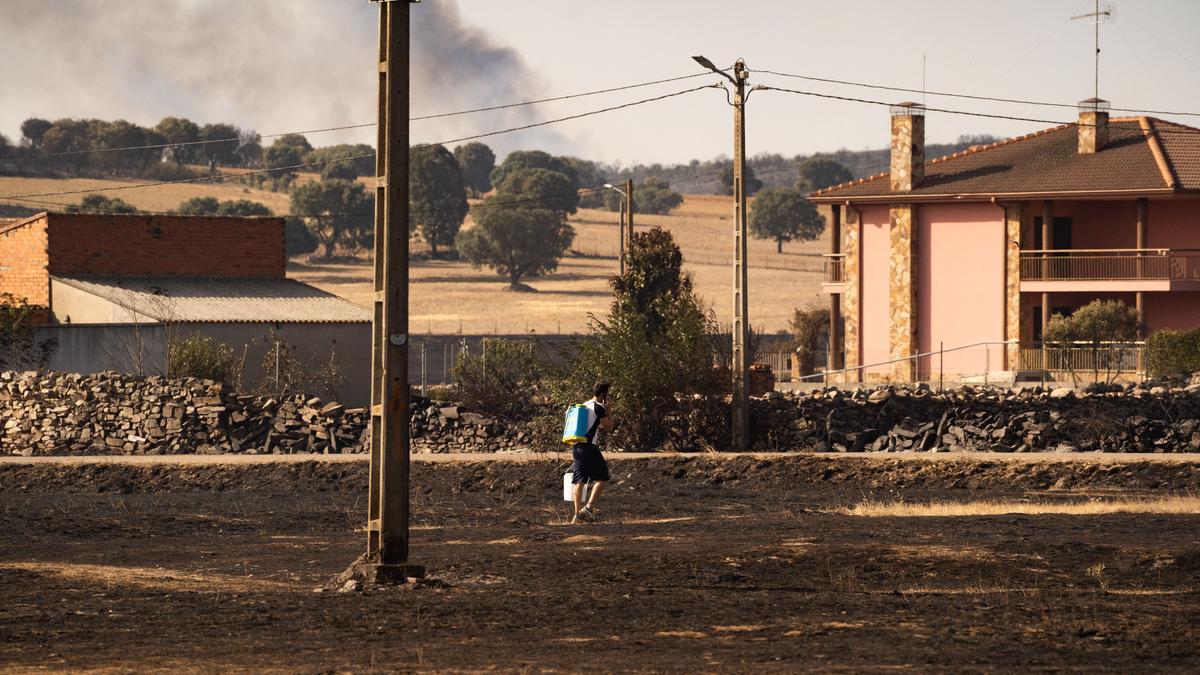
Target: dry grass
[[448, 297], [159, 198], [1164, 505]]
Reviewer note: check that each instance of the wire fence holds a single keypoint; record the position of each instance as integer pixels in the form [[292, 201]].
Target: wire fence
[[816, 266]]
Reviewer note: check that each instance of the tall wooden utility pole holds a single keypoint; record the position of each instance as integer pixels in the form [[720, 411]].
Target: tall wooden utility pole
[[387, 538], [741, 307]]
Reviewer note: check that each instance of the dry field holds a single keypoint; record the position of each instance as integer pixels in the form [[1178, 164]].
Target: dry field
[[701, 564], [447, 297], [164, 198]]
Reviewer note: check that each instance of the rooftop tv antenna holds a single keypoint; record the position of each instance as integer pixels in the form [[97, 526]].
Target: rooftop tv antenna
[[1098, 17]]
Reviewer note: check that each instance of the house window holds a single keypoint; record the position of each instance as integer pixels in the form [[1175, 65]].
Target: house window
[[1060, 233]]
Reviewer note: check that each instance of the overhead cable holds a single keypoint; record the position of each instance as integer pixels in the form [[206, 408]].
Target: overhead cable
[[218, 177], [852, 99], [973, 97]]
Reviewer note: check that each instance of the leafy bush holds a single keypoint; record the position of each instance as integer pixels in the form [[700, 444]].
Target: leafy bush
[[1097, 321], [200, 356], [1098, 324], [286, 373], [19, 348], [300, 239], [502, 380], [1173, 352], [808, 326], [653, 345]]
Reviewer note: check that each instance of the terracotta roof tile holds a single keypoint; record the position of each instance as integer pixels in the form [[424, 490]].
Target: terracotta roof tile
[[1141, 154]]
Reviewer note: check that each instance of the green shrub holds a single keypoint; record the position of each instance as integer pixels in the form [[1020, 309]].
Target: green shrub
[[502, 380], [200, 356], [1173, 352], [19, 348], [653, 345]]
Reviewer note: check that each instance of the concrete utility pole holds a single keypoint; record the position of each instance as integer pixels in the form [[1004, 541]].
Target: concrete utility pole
[[741, 305], [387, 527], [629, 209], [626, 206]]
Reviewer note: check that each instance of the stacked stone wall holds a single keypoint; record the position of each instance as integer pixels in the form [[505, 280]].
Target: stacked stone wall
[[71, 414]]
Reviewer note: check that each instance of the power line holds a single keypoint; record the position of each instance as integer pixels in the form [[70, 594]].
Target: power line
[[249, 137], [156, 146], [201, 179], [198, 179], [556, 98], [575, 117], [852, 99], [967, 96], [486, 205]]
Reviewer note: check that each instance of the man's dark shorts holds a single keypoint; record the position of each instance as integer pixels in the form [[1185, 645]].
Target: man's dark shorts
[[589, 465]]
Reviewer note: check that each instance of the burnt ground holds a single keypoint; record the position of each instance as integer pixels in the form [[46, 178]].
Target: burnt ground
[[701, 564]]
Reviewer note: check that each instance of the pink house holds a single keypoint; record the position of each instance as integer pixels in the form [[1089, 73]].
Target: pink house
[[975, 251]]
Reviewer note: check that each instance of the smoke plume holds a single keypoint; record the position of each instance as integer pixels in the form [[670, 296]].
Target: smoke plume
[[267, 65]]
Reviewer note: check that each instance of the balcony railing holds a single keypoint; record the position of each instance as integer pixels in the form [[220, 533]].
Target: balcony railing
[[1130, 264], [1083, 357], [835, 268]]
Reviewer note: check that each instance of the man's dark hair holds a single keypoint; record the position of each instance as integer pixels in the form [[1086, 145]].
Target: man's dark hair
[[600, 390]]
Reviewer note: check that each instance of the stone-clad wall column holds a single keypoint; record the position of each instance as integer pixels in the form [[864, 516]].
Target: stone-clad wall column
[[903, 289], [851, 237], [1013, 214]]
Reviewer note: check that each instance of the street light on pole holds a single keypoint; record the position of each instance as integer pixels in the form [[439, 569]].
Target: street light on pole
[[624, 206], [741, 326]]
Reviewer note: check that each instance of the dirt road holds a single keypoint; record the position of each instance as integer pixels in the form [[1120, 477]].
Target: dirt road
[[731, 565]]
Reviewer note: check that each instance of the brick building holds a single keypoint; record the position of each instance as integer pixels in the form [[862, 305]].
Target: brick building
[[976, 251], [99, 277]]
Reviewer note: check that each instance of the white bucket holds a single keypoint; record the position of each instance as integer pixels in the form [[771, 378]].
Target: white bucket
[[569, 489]]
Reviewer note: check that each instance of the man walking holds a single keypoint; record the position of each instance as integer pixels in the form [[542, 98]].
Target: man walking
[[588, 466]]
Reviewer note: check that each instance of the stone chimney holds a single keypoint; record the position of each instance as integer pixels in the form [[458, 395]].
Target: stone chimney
[[908, 146], [1093, 125]]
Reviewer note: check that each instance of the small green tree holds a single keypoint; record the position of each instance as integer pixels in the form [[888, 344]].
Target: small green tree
[[336, 211], [784, 215], [222, 144], [1104, 327], [541, 188], [477, 162], [183, 132], [243, 208], [99, 204], [199, 206], [32, 131], [500, 380], [522, 160], [653, 344], [343, 169], [19, 348], [808, 326], [753, 184], [437, 198], [201, 357], [818, 173], [517, 242], [655, 196]]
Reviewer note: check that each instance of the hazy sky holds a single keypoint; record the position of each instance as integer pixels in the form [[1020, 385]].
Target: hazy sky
[[282, 65]]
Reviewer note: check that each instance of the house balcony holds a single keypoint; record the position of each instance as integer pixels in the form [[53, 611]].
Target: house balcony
[[1110, 270], [834, 279]]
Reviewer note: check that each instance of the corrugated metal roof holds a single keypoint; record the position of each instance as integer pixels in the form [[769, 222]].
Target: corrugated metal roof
[[1048, 161], [191, 300]]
